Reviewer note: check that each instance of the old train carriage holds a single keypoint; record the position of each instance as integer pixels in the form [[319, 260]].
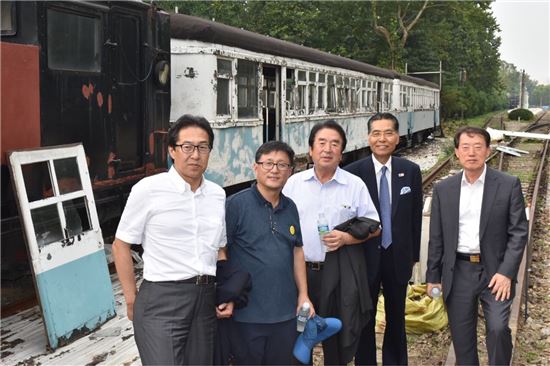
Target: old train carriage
[[254, 88], [89, 72]]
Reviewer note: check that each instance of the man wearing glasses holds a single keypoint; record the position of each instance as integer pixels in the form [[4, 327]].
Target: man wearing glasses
[[326, 192], [178, 217], [264, 239]]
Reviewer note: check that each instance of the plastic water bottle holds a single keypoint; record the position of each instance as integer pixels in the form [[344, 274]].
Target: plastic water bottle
[[322, 227], [436, 293], [302, 317]]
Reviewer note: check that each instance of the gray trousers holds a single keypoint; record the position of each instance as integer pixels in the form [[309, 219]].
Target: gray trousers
[[469, 288], [175, 323]]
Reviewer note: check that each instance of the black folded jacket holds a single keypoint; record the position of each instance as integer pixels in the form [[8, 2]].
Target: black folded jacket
[[232, 284], [359, 227]]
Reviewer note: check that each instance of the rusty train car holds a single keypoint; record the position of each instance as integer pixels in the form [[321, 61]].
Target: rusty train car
[[114, 74], [89, 72], [254, 88]]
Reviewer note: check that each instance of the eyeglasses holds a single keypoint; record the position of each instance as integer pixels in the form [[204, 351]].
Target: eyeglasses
[[190, 148], [268, 165]]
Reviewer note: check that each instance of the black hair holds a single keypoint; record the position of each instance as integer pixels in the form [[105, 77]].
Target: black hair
[[188, 120], [380, 116], [271, 146], [331, 124], [472, 130]]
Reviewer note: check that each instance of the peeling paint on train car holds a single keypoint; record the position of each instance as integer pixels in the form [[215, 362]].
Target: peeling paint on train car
[[356, 129], [233, 155]]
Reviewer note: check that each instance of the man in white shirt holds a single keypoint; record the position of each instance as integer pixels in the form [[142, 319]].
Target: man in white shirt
[[478, 231], [326, 192], [179, 219]]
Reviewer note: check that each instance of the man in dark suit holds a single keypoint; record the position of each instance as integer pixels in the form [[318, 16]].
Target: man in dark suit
[[478, 231], [395, 186]]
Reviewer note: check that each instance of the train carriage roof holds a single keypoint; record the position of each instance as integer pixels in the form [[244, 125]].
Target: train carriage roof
[[199, 29]]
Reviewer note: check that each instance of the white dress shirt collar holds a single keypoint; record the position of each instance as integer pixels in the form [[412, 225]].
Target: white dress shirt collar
[[181, 184], [338, 177], [378, 165], [481, 178]]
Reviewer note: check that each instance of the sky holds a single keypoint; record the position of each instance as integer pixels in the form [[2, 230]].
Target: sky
[[525, 35]]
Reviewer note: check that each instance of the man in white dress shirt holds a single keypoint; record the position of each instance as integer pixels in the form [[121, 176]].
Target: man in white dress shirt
[[327, 192], [478, 231], [179, 219]]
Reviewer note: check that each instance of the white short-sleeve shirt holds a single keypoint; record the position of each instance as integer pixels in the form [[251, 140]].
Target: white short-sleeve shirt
[[180, 230], [343, 197]]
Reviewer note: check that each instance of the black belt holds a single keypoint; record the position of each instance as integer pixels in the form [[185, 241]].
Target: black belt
[[315, 266], [472, 257], [198, 280]]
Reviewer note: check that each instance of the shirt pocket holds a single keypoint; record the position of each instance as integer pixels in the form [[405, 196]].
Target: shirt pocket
[[210, 232], [339, 212]]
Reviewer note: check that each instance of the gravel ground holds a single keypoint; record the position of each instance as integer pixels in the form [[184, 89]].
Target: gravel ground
[[428, 154]]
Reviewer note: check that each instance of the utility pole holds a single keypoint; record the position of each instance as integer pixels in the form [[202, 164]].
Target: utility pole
[[521, 88], [440, 72]]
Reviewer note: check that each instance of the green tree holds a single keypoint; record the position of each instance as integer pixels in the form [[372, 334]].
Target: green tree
[[540, 96]]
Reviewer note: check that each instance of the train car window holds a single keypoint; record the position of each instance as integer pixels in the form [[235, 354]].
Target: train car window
[[312, 92], [331, 94], [223, 88], [8, 23], [74, 42], [290, 91], [355, 86], [321, 92], [47, 225], [301, 105], [76, 216], [38, 182], [68, 177], [247, 89]]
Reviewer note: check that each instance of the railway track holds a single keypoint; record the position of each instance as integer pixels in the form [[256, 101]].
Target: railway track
[[530, 169]]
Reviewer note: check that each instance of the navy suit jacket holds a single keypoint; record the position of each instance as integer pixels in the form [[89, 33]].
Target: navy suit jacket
[[406, 186]]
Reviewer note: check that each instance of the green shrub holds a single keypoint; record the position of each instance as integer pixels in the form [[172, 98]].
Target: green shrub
[[523, 114]]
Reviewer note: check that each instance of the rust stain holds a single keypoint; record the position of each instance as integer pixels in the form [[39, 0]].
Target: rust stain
[[109, 104], [152, 142], [98, 359], [85, 91], [99, 99], [111, 162]]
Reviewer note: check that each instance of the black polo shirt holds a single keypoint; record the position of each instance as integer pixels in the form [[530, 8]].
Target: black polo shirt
[[261, 240]]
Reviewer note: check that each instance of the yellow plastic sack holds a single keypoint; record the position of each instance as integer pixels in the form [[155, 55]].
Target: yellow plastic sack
[[422, 314]]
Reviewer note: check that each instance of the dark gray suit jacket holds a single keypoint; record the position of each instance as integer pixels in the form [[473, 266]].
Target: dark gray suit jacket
[[503, 228]]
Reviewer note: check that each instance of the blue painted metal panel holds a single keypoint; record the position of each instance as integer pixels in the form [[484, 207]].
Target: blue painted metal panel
[[76, 297], [232, 158]]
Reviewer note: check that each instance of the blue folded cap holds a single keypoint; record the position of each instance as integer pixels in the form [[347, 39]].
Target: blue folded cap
[[317, 330]]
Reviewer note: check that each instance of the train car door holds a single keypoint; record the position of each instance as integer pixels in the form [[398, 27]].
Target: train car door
[[270, 102], [64, 240], [127, 89]]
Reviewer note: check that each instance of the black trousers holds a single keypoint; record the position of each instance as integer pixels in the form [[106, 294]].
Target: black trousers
[[331, 354], [175, 323], [394, 348], [265, 344], [469, 289]]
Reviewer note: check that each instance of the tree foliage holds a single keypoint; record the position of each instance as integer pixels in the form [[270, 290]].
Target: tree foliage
[[460, 34]]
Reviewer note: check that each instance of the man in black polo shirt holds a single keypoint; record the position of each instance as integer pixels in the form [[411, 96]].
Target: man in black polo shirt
[[264, 238]]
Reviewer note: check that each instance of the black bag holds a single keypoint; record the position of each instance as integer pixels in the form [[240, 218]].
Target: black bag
[[359, 227]]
